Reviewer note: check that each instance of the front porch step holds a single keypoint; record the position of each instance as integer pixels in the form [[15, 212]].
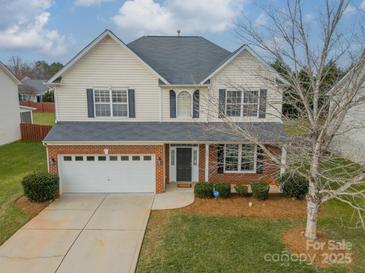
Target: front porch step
[[184, 184]]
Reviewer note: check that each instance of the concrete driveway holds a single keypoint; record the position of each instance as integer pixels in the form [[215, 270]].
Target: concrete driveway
[[81, 233]]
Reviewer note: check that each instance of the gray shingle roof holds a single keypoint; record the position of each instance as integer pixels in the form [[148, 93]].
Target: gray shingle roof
[[268, 132], [180, 60], [33, 86]]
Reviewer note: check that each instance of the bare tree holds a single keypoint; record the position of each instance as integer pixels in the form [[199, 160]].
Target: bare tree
[[288, 36]]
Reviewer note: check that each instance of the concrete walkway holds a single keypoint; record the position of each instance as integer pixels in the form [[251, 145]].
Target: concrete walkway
[[174, 197], [81, 233]]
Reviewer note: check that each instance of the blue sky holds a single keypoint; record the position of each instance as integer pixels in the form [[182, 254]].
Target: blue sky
[[55, 30]]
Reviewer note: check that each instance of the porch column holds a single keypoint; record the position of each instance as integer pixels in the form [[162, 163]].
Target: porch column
[[283, 160], [206, 162]]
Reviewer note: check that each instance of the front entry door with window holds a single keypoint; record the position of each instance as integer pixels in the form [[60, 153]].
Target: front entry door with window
[[183, 164]]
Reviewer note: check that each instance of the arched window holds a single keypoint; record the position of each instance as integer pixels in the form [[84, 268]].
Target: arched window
[[184, 104]]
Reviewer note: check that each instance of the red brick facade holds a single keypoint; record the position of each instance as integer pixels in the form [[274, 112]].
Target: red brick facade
[[162, 152], [157, 150]]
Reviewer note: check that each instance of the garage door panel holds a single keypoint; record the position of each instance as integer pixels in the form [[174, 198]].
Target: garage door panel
[[108, 176]]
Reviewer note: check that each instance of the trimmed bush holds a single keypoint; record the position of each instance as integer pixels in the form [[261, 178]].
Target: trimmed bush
[[241, 190], [40, 187], [294, 185], [203, 190], [260, 190], [224, 189]]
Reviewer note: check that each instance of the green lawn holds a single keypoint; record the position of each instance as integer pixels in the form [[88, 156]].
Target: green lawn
[[178, 241], [44, 118], [16, 160]]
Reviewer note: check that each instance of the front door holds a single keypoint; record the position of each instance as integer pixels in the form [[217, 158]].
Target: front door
[[183, 164]]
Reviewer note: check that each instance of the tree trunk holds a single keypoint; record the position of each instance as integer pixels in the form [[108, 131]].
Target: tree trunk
[[313, 205], [313, 197]]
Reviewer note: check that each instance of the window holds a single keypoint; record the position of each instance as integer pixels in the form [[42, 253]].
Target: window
[[240, 158], [111, 103], [242, 103], [173, 157], [67, 158], [147, 158], [124, 158], [113, 158], [102, 102], [250, 103], [90, 158], [195, 157], [233, 105], [79, 158], [136, 158], [184, 105], [102, 158]]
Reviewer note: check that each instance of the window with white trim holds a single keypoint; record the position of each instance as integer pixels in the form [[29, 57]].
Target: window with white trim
[[184, 105], [239, 158], [242, 103], [111, 102]]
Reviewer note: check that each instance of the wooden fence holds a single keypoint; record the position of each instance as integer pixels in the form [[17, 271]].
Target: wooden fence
[[32, 132], [40, 107]]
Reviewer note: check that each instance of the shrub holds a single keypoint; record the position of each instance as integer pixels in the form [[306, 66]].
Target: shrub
[[241, 190], [40, 187], [260, 190], [203, 190], [224, 189], [294, 185]]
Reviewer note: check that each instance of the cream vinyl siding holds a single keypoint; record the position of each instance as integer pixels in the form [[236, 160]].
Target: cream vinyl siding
[[203, 93], [108, 64], [9, 110], [246, 72]]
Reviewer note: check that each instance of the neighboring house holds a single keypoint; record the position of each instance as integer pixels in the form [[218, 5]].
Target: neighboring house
[[26, 114], [9, 106], [132, 118], [349, 141], [32, 90]]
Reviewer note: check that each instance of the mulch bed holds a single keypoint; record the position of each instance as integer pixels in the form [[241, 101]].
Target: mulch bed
[[325, 256], [275, 207], [29, 208]]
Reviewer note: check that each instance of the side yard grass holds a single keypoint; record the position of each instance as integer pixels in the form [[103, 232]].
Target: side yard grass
[[16, 160], [44, 118]]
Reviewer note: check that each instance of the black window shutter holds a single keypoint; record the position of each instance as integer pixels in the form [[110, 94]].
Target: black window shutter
[[196, 104], [260, 160], [220, 158], [262, 107], [172, 104], [90, 103], [222, 103], [131, 103]]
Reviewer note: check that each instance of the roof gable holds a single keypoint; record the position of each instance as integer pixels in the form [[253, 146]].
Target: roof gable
[[180, 59], [9, 73], [91, 45]]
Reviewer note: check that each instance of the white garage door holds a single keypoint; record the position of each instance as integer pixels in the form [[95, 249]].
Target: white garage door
[[107, 173]]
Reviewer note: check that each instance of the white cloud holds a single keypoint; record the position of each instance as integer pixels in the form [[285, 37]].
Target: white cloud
[[261, 20], [88, 3], [350, 9], [24, 26], [362, 5], [191, 16]]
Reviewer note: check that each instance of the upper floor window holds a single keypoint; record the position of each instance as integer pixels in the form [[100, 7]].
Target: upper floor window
[[111, 102], [184, 105], [242, 103]]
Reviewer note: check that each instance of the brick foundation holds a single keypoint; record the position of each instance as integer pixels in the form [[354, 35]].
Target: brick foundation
[[157, 150]]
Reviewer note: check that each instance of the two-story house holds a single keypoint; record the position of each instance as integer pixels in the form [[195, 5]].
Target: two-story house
[[135, 117]]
